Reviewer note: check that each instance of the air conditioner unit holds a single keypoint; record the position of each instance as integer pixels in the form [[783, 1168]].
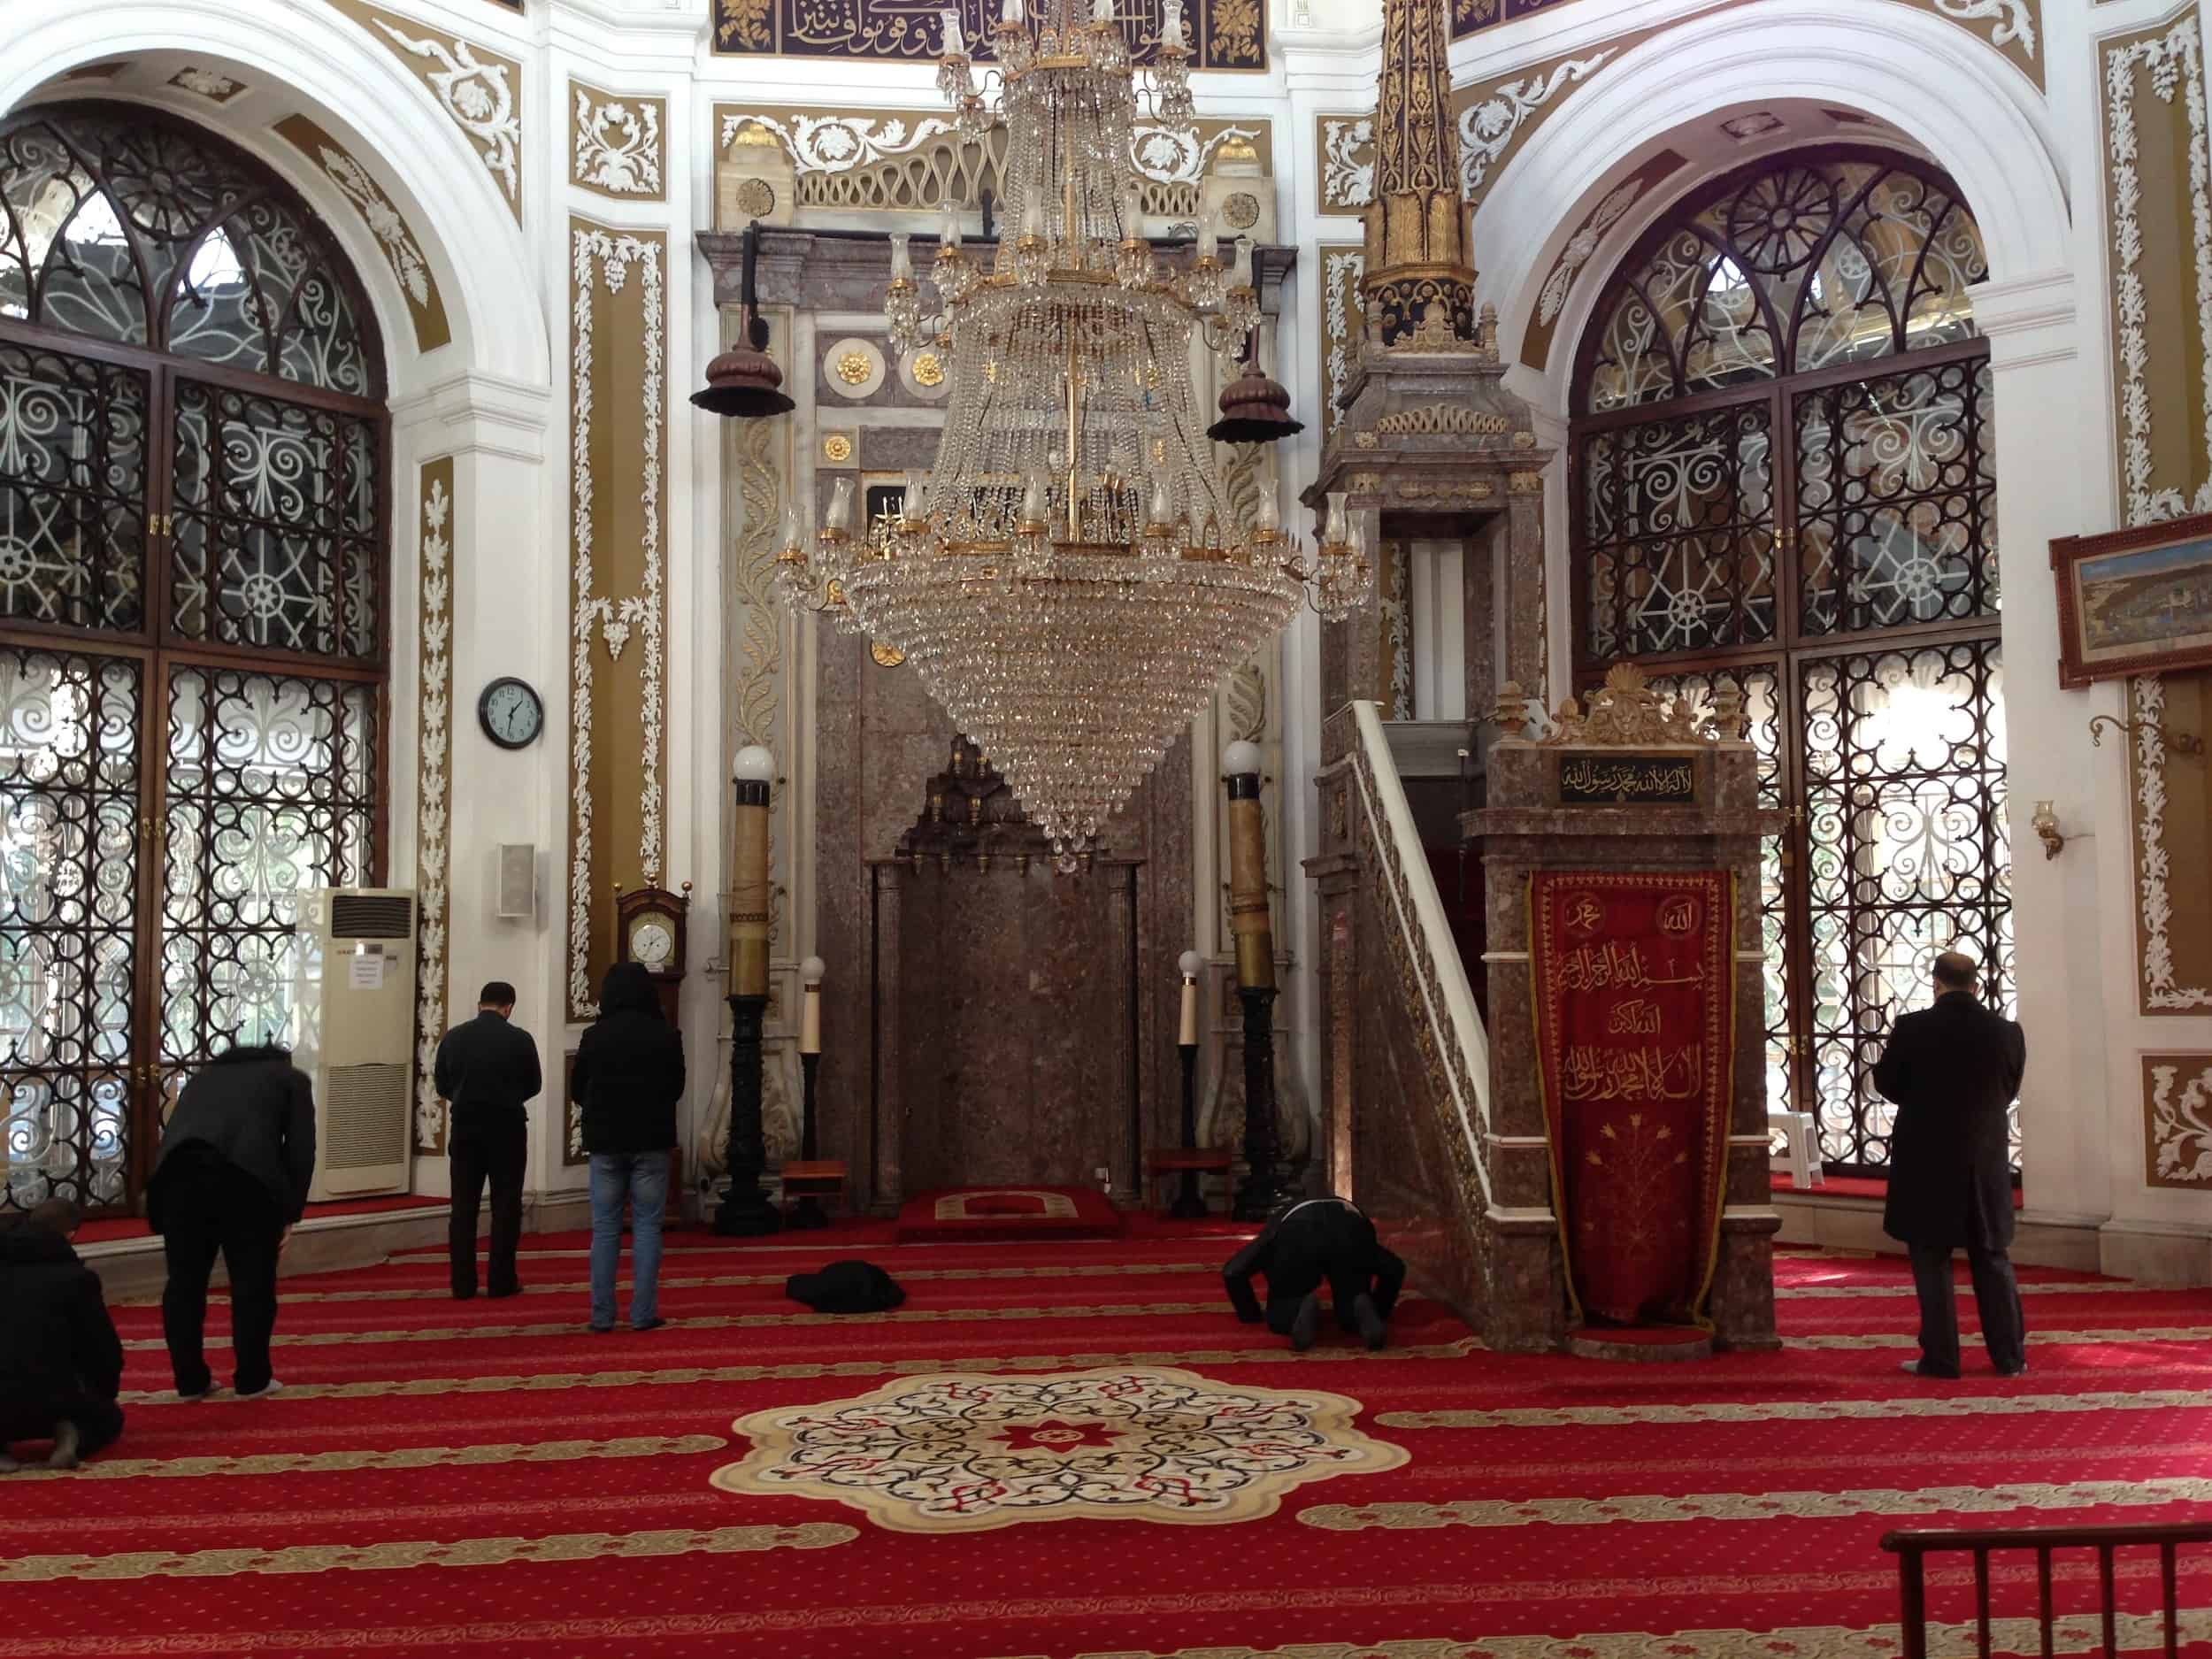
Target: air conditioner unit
[[357, 1036]]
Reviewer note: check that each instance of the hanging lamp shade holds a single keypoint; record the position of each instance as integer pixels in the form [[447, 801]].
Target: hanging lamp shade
[[744, 382]]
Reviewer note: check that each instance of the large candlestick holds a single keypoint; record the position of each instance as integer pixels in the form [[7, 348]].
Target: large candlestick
[[1253, 932], [1189, 1205], [745, 1209], [808, 1212]]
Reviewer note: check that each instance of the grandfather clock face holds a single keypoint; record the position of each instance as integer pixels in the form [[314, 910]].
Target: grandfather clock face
[[650, 927]]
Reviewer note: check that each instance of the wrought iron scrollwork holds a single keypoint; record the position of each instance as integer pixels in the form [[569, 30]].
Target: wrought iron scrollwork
[[1826, 571], [153, 237]]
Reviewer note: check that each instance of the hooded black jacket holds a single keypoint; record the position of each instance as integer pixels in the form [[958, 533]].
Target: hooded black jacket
[[57, 1342], [629, 1071], [254, 1110]]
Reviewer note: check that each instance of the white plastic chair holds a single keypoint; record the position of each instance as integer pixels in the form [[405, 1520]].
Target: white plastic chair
[[1801, 1147]]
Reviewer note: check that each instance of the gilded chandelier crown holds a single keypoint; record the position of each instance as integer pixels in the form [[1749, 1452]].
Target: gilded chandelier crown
[[1071, 580]]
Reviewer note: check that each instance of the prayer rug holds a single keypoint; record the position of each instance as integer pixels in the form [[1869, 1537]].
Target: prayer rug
[[1008, 1212]]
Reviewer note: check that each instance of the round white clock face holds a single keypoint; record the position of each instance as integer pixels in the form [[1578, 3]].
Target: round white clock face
[[651, 943], [512, 713]]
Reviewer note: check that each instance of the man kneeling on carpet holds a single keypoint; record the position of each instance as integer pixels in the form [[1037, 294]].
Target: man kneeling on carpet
[[60, 1362], [1311, 1241]]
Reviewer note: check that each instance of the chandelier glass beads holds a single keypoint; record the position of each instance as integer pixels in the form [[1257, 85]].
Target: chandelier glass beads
[[1070, 581]]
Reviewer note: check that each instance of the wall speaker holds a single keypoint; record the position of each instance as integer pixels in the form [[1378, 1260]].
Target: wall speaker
[[517, 884]]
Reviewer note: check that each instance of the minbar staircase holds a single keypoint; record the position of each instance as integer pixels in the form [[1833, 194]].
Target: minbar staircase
[[1405, 1058]]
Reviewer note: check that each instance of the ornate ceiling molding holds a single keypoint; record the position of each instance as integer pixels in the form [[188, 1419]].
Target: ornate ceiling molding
[[842, 140], [1225, 34], [479, 90], [1497, 114], [396, 239], [434, 783], [1575, 258], [615, 144]]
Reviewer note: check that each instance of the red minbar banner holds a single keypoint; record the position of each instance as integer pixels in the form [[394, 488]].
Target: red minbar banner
[[1635, 1047]]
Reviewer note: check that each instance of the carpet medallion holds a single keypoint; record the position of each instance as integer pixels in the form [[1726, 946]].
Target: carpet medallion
[[968, 1453], [445, 1480]]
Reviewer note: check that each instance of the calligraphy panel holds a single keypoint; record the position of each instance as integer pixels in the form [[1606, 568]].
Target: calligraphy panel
[[1225, 34], [1612, 778], [1635, 1038]]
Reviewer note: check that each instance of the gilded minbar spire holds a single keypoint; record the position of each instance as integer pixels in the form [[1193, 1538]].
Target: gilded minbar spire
[[1418, 262]]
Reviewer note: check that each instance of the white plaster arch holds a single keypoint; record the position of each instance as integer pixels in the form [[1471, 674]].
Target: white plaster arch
[[1968, 108], [361, 94]]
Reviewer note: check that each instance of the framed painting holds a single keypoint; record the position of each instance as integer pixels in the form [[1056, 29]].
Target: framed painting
[[2134, 601]]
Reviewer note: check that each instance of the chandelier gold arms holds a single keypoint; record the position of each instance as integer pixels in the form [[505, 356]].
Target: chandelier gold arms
[[1070, 579]]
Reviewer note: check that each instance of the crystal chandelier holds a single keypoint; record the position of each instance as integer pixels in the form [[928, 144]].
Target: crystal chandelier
[[1071, 582]]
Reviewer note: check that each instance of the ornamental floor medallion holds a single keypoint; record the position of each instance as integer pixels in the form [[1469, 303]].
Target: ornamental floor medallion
[[965, 1453]]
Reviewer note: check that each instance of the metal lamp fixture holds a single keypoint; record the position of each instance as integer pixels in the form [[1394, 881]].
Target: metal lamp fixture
[[744, 382]]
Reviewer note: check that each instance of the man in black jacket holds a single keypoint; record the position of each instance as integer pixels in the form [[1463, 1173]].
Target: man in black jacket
[[487, 1072], [1951, 1071], [232, 1177], [60, 1362], [1312, 1240], [629, 1077]]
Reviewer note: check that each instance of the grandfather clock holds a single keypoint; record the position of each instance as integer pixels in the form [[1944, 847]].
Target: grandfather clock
[[650, 929]]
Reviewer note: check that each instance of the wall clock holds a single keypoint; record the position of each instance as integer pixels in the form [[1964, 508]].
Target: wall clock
[[512, 713]]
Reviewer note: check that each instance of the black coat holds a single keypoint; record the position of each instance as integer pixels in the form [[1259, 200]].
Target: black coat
[[256, 1110], [1951, 1071], [56, 1342], [629, 1071], [488, 1066]]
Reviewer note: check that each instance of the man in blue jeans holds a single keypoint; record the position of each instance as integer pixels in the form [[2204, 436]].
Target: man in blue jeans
[[629, 1074]]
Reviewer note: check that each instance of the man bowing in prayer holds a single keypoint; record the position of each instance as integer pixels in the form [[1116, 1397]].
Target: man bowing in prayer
[[1951, 1071], [1314, 1240]]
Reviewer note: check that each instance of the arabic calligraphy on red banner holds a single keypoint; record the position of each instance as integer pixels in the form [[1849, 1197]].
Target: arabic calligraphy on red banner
[[1635, 1040]]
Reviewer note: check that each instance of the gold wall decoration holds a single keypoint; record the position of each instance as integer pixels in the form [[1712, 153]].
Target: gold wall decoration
[[1551, 299], [434, 783], [396, 239], [886, 656], [619, 717], [929, 369], [854, 368], [837, 448], [2171, 805], [910, 160], [479, 90], [2177, 1121], [1343, 323], [2158, 201], [615, 143]]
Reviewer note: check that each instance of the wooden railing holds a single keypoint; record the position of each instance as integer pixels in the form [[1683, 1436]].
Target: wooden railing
[[1913, 1549]]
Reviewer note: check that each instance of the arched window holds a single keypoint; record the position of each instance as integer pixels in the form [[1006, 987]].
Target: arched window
[[1784, 481], [193, 531]]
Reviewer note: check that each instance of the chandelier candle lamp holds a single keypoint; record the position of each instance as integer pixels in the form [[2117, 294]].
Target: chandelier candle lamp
[[745, 1211], [1254, 930], [1070, 581]]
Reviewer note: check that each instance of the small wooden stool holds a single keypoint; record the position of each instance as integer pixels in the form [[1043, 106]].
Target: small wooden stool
[[822, 1179], [1163, 1162]]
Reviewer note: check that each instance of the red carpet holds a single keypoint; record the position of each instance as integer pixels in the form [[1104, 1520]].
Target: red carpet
[[1008, 1213], [134, 1226], [492, 1479]]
